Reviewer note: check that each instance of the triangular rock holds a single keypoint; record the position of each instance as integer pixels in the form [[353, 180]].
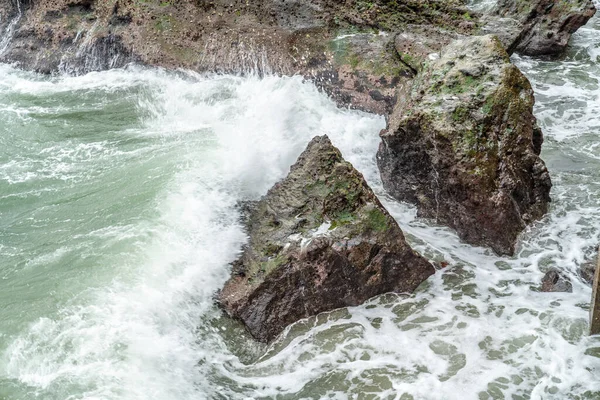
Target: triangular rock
[[319, 240]]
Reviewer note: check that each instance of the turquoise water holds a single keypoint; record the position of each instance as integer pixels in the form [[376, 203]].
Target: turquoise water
[[118, 220]]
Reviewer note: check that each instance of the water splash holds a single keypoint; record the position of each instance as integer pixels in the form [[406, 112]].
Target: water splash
[[91, 52], [9, 31]]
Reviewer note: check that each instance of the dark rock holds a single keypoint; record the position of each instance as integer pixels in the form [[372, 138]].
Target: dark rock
[[464, 146], [298, 14], [587, 271], [555, 281], [319, 240], [105, 52], [539, 27], [595, 305]]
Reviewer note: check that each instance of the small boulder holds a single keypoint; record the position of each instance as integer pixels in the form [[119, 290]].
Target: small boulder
[[319, 240], [463, 145], [539, 27], [555, 281]]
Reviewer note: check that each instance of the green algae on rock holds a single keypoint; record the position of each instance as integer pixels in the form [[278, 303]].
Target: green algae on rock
[[319, 240], [463, 145]]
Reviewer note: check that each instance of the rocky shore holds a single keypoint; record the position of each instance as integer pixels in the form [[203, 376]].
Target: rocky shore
[[461, 142]]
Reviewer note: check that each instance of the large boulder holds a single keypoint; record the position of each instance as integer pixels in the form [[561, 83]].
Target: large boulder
[[319, 240], [539, 27], [463, 145]]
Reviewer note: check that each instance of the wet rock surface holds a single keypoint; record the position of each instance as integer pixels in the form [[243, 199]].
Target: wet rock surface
[[338, 45], [319, 240], [539, 27], [463, 145], [588, 269], [555, 281]]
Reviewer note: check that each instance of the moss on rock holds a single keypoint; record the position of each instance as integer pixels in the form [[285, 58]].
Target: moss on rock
[[320, 239], [462, 145]]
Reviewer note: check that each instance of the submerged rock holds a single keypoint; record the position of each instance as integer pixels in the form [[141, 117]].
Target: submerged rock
[[319, 240], [463, 145], [539, 27], [555, 281]]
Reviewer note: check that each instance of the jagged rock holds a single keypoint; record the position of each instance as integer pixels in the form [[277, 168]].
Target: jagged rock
[[555, 281], [319, 240], [539, 27], [463, 145]]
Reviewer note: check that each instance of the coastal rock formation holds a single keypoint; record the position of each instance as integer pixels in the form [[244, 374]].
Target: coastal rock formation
[[539, 27], [338, 45], [463, 145], [319, 240], [358, 52]]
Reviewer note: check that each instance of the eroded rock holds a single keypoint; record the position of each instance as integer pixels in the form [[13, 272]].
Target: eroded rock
[[319, 240], [463, 145], [539, 27]]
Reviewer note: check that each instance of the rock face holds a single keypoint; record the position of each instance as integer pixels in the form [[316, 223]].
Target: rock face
[[336, 44], [356, 51], [463, 145], [319, 240], [540, 27]]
